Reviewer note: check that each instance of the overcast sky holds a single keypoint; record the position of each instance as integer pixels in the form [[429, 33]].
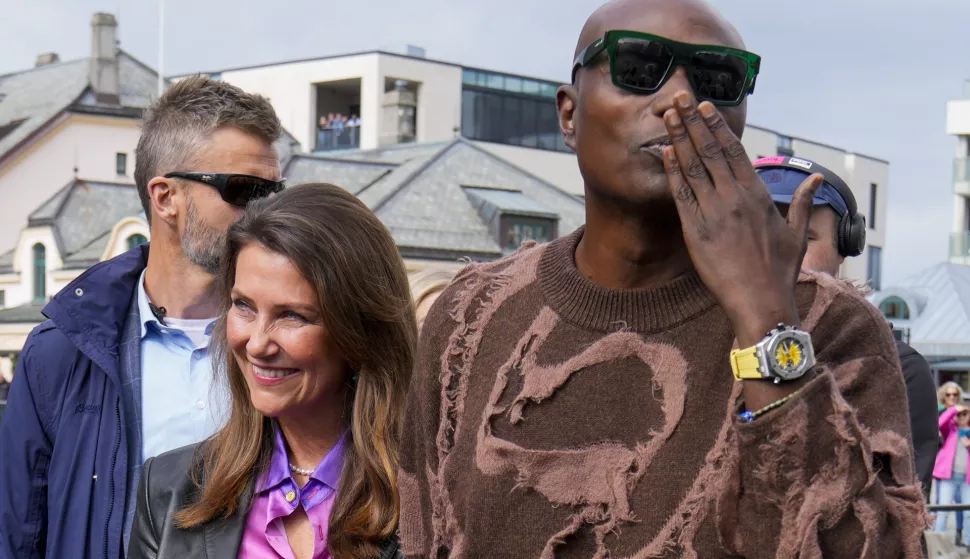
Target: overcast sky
[[869, 76]]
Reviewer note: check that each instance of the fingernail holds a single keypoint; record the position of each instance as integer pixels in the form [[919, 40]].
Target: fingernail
[[670, 153], [672, 117], [706, 109], [683, 100]]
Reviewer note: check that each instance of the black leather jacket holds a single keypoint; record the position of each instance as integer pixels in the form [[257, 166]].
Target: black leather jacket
[[165, 486]]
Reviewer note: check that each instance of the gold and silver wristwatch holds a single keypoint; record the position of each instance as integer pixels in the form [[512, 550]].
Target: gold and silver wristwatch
[[785, 354]]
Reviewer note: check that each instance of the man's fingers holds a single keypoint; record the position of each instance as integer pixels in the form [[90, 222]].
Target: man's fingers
[[697, 123], [682, 192], [801, 206], [694, 171], [734, 152]]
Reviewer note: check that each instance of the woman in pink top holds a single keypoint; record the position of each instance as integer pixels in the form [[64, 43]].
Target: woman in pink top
[[317, 344], [951, 463]]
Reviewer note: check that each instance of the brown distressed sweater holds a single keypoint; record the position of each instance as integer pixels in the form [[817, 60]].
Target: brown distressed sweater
[[550, 417]]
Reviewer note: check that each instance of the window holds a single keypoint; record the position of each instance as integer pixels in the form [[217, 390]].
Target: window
[[894, 307], [136, 240], [518, 229], [872, 205], [40, 273], [510, 110], [785, 146], [121, 163], [875, 268]]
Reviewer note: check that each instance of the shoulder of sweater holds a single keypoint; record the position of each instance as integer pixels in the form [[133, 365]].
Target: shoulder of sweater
[[529, 249], [846, 300], [440, 316]]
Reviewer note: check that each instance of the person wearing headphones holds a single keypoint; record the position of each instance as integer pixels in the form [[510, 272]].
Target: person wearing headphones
[[836, 231]]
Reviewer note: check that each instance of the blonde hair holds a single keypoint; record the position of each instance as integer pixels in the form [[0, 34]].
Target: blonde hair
[[946, 386]]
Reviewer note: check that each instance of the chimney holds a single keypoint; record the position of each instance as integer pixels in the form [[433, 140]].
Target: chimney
[[46, 58], [103, 65]]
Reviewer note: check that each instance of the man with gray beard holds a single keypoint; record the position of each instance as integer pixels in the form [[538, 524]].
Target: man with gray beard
[[121, 371]]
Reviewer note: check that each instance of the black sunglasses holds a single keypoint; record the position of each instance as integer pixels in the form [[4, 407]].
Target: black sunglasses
[[238, 190], [642, 63]]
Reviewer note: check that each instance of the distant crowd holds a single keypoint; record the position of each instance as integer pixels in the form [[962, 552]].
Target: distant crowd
[[338, 121]]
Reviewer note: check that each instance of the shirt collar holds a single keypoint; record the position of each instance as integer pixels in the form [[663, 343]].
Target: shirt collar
[[145, 314], [327, 471]]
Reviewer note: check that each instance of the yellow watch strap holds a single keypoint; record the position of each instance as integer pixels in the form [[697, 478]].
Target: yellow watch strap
[[744, 363]]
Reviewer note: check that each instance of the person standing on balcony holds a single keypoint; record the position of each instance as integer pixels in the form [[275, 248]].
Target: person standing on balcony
[[121, 371]]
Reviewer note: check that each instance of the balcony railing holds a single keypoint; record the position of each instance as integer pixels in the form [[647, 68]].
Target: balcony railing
[[960, 245], [347, 137]]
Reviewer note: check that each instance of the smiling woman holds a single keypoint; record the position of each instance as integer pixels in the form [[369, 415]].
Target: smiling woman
[[318, 363]]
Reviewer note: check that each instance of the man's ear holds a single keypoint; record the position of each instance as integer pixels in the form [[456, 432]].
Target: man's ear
[[566, 107], [162, 193]]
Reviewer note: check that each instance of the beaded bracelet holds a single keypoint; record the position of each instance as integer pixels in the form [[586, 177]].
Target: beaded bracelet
[[750, 416]]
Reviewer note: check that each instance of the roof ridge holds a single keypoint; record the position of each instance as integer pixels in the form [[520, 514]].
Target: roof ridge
[[93, 240], [50, 198], [518, 169], [344, 160], [410, 178], [43, 67]]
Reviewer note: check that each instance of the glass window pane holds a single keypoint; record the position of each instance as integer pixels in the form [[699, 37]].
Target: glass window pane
[[136, 240], [513, 84], [875, 268], [495, 81], [548, 90], [492, 117], [512, 117], [531, 87], [468, 76], [40, 272], [471, 122], [528, 129], [547, 125]]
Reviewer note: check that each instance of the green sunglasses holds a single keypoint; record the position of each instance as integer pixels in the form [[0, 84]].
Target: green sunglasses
[[642, 63]]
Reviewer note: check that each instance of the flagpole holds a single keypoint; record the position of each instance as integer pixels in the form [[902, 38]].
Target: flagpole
[[161, 46]]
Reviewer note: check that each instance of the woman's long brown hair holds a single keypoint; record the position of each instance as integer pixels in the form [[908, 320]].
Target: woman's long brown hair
[[349, 257]]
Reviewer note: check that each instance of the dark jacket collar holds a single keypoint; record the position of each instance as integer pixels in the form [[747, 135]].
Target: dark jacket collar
[[91, 311]]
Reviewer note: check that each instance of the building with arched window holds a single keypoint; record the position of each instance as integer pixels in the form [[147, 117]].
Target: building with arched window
[[84, 223], [931, 311]]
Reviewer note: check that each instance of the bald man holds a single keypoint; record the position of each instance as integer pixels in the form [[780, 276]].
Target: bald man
[[656, 384]]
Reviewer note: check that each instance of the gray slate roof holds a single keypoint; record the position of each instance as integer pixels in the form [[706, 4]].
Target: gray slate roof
[[423, 199], [82, 215], [35, 96], [29, 313], [938, 298], [351, 175]]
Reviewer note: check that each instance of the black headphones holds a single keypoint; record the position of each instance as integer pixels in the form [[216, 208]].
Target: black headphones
[[851, 232]]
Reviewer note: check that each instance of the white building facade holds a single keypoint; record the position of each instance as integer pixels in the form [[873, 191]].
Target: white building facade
[[401, 98], [958, 124]]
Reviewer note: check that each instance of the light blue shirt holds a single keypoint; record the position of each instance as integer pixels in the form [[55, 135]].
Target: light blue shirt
[[181, 403]]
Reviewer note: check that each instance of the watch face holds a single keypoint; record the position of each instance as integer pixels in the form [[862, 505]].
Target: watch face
[[789, 357]]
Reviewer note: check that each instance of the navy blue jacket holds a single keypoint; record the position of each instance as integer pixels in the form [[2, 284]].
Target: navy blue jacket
[[64, 444]]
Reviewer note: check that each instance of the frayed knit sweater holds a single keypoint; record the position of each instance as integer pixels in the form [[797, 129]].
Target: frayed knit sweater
[[550, 417]]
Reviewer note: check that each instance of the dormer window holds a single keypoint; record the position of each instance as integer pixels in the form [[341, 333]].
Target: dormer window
[[512, 217], [894, 308], [519, 229]]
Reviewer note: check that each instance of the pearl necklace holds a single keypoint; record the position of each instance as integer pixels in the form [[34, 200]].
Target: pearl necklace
[[303, 471]]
